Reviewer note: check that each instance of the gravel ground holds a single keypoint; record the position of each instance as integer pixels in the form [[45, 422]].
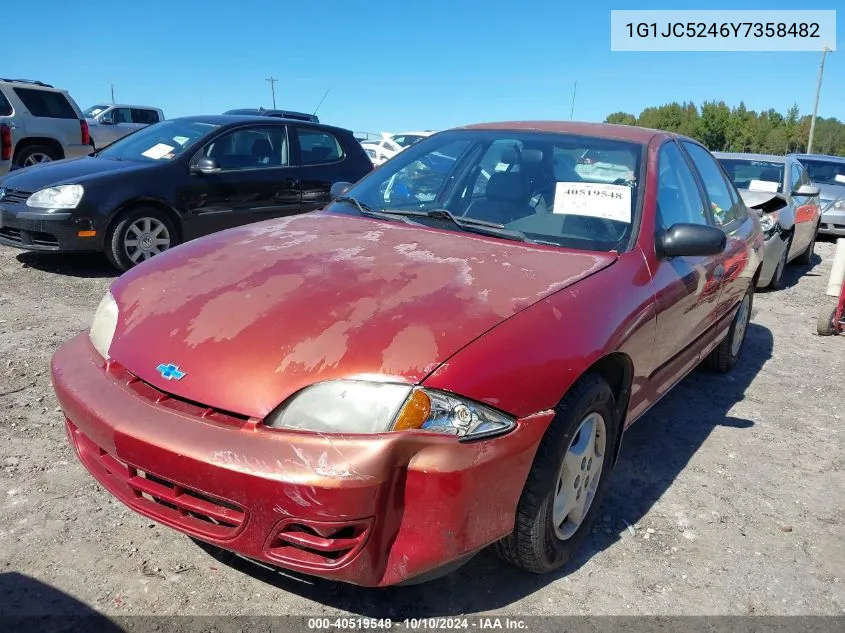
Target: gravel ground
[[729, 497]]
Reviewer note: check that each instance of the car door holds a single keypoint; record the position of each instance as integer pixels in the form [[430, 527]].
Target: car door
[[805, 210], [320, 158], [686, 288], [255, 180], [142, 117], [731, 215]]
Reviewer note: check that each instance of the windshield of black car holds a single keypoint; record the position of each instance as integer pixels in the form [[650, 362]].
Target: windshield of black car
[[530, 182], [824, 172], [162, 141], [754, 175], [93, 111]]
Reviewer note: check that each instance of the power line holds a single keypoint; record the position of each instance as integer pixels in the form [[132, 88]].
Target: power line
[[825, 51], [272, 81]]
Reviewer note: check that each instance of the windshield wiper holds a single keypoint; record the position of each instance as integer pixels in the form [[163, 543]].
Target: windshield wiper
[[470, 225], [368, 211]]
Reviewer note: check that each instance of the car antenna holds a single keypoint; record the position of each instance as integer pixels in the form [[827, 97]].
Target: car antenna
[[326, 94]]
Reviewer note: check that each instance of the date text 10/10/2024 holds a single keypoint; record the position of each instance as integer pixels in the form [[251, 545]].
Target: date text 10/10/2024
[[417, 624]]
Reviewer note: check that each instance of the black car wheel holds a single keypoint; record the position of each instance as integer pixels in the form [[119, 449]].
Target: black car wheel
[[137, 235], [34, 155], [567, 480], [777, 277], [726, 355]]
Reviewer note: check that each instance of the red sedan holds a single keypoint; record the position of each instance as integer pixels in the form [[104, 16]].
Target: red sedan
[[442, 359]]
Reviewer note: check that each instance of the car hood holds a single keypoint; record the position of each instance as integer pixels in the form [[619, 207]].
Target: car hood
[[253, 314], [72, 170], [831, 192]]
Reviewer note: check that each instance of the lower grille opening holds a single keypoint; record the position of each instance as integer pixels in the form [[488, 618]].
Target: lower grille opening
[[319, 544], [11, 234]]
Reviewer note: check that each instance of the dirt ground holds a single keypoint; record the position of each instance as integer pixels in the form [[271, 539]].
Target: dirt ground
[[729, 497]]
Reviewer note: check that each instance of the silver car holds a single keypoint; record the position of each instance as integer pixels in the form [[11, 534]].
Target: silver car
[[38, 123], [779, 189], [828, 174], [111, 122]]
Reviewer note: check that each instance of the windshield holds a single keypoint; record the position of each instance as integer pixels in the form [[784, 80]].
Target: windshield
[[158, 142], [825, 172], [754, 175], [529, 183], [93, 111]]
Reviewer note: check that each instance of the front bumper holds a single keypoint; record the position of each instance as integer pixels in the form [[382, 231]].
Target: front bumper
[[773, 248], [44, 230], [833, 223], [371, 510]]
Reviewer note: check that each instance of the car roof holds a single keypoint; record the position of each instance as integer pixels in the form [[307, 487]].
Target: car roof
[[606, 130], [231, 120], [771, 158], [129, 105], [827, 157]]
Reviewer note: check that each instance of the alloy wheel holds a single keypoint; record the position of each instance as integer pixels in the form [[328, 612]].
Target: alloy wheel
[[144, 238], [36, 158]]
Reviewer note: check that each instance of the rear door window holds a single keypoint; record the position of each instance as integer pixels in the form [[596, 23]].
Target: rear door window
[[46, 103], [318, 147], [5, 106], [145, 117]]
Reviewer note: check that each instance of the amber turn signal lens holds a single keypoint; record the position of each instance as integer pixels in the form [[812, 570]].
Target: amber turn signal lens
[[415, 412], [86, 233]]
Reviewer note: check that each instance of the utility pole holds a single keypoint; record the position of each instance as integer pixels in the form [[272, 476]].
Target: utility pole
[[112, 93], [825, 51], [572, 111], [272, 81]]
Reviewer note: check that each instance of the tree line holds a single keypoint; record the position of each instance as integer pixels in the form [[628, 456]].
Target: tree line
[[739, 129]]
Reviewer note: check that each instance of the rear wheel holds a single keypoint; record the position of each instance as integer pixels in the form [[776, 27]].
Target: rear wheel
[[34, 155], [137, 235], [567, 480], [726, 355]]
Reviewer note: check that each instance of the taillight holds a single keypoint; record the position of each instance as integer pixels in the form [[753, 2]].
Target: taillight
[[86, 135], [5, 142]]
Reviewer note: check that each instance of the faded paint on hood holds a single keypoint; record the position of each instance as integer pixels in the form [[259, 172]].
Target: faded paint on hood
[[254, 314]]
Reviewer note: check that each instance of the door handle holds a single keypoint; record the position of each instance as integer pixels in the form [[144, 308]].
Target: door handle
[[291, 182]]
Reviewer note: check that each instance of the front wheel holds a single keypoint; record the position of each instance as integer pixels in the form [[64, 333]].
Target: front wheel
[[726, 355], [137, 235], [567, 480], [826, 325]]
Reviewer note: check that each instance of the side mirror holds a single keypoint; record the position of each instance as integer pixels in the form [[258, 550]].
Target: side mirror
[[338, 189], [806, 190], [691, 240], [107, 119], [205, 165]]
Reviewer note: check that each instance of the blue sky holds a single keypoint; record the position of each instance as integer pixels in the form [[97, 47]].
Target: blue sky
[[397, 65]]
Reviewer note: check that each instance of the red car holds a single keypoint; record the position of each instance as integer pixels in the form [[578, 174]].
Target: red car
[[442, 359]]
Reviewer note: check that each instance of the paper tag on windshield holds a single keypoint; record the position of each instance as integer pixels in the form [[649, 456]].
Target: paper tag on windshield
[[158, 151], [839, 178], [763, 185], [181, 140], [595, 200]]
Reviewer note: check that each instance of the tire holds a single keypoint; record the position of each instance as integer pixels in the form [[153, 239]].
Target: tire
[[776, 282], [806, 258], [825, 323], [725, 356], [537, 544], [35, 154], [140, 224]]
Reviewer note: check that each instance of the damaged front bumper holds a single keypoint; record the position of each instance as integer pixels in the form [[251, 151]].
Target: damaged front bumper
[[372, 510], [773, 248]]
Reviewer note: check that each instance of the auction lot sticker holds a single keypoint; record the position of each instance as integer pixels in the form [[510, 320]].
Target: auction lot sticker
[[593, 199], [746, 30]]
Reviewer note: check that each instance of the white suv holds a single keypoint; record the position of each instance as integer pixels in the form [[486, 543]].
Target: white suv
[[39, 123]]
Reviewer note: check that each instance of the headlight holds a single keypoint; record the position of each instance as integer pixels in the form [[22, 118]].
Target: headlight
[[839, 204], [356, 406], [768, 221], [104, 325], [61, 197]]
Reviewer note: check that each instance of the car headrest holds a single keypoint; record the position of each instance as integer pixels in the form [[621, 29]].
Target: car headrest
[[261, 147], [525, 157], [507, 186]]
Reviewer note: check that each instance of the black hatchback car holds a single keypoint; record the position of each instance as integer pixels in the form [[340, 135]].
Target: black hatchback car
[[176, 180]]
